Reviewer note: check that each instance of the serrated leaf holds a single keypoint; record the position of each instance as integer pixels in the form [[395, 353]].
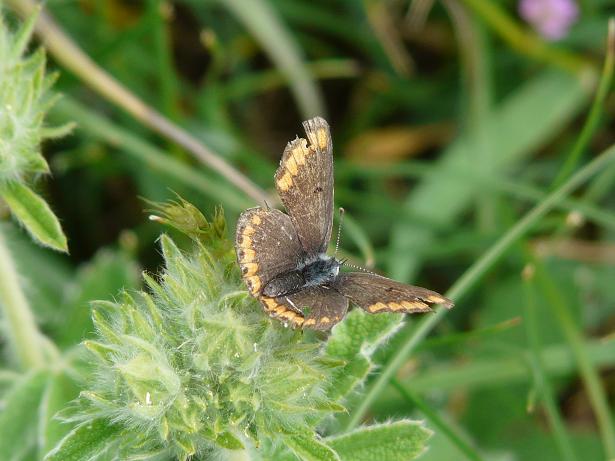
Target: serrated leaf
[[17, 428], [353, 341], [35, 215], [398, 441], [310, 449], [89, 441]]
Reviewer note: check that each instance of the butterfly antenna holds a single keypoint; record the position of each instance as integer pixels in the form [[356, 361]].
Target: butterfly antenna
[[360, 268], [339, 231]]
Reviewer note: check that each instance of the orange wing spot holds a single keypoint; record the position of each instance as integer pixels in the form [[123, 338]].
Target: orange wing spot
[[280, 309], [248, 231], [270, 303], [285, 182], [395, 306], [417, 305], [436, 299], [376, 307], [322, 135], [298, 320], [254, 284], [249, 269], [298, 154], [309, 323], [256, 220], [247, 255], [246, 242], [325, 320], [291, 165], [288, 315]]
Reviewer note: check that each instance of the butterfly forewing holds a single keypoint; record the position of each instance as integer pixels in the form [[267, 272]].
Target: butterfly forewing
[[375, 294], [267, 245], [304, 182]]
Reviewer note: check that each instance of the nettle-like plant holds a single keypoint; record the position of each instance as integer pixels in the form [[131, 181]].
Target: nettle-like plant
[[193, 369]]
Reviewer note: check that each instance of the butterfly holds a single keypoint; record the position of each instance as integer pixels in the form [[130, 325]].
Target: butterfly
[[283, 257]]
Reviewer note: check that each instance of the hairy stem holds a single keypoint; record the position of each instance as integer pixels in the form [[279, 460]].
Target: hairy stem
[[21, 330]]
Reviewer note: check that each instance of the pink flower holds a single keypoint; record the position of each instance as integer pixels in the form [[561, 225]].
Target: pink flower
[[550, 18]]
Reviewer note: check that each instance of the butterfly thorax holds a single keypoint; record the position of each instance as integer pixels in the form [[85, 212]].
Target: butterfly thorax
[[316, 271]]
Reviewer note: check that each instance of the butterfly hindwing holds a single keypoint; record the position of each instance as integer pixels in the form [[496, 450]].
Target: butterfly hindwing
[[318, 308], [266, 245], [375, 294], [304, 182]]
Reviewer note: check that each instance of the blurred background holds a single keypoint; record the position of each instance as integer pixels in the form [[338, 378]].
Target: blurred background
[[450, 120]]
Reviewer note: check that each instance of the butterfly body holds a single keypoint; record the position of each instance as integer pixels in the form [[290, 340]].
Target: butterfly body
[[313, 272], [283, 256]]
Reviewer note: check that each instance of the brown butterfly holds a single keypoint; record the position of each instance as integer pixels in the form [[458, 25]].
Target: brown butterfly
[[283, 257]]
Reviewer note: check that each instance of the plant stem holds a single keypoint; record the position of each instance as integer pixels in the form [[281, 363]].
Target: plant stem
[[589, 375], [433, 417], [541, 379], [474, 273], [22, 333], [66, 51], [261, 19]]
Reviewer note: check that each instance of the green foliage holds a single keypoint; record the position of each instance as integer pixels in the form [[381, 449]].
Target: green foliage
[[18, 434], [25, 99], [106, 274], [91, 440], [34, 214], [399, 441], [353, 342]]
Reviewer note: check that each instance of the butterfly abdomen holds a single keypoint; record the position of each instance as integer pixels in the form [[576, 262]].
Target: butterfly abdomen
[[284, 284]]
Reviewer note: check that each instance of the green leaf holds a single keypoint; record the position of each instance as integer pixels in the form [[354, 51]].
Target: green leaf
[[353, 341], [35, 215], [19, 416], [60, 390], [229, 441], [89, 441], [22, 37], [398, 441], [310, 449]]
